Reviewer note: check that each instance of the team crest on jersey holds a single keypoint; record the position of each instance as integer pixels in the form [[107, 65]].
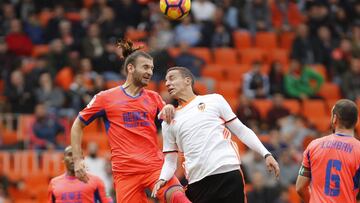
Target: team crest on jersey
[[201, 106]]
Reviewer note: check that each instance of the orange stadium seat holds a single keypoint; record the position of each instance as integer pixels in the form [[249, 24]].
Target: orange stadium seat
[[5, 162], [266, 40], [229, 89], [293, 105], [52, 163], [88, 3], [73, 16], [200, 88], [64, 78], [321, 124], [286, 40], [203, 53], [44, 17], [330, 91], [225, 56], [215, 72], [173, 51], [135, 35], [280, 55], [263, 105], [26, 163], [40, 50], [236, 72], [242, 40], [248, 56], [320, 69], [233, 102], [314, 109], [8, 137], [293, 195]]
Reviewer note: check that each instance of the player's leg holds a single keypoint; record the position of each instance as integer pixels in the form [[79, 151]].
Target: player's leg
[[233, 188], [129, 189], [171, 192]]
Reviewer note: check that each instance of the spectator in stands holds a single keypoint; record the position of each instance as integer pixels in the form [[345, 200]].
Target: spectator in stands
[[109, 27], [40, 67], [221, 37], [276, 144], [247, 112], [8, 61], [276, 78], [260, 192], [79, 94], [66, 34], [189, 60], [342, 22], [97, 165], [341, 57], [33, 29], [318, 15], [52, 27], [289, 167], [7, 14], [18, 94], [187, 31], [285, 15], [351, 80], [230, 14], [303, 45], [46, 129], [57, 56], [257, 16], [17, 41], [298, 81], [48, 93], [92, 44], [203, 10], [163, 33], [325, 44], [256, 84], [277, 111], [355, 38]]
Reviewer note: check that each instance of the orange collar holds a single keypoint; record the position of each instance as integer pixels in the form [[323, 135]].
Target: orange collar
[[183, 104]]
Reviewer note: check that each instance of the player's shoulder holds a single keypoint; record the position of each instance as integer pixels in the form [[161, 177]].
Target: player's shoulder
[[211, 96], [151, 92], [94, 177], [57, 178]]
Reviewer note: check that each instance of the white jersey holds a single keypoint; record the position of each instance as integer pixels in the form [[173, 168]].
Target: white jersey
[[198, 130]]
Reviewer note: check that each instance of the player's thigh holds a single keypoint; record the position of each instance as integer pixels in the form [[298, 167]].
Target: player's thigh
[[129, 190], [172, 185], [233, 187]]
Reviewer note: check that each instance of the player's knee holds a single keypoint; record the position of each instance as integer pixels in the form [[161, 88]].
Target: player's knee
[[176, 195]]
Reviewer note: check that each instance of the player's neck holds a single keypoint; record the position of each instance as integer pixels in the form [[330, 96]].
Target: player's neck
[[186, 98], [343, 131], [131, 89], [70, 173]]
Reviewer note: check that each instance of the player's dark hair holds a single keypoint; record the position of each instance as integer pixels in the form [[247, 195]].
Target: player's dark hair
[[186, 73], [347, 113], [130, 53]]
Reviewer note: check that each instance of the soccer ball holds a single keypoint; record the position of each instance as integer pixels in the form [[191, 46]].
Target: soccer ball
[[175, 9]]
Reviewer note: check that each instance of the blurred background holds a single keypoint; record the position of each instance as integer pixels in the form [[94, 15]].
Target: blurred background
[[281, 64]]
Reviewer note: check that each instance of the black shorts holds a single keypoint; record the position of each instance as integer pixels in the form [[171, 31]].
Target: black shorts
[[224, 187]]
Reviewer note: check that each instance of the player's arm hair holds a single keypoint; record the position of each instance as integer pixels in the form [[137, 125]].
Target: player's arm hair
[[302, 187], [76, 138], [169, 166], [247, 136]]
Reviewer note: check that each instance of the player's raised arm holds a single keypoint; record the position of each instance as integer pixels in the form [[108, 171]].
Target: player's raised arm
[[246, 135], [76, 139]]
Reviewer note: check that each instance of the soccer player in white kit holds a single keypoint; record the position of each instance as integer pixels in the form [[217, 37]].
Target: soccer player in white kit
[[200, 129]]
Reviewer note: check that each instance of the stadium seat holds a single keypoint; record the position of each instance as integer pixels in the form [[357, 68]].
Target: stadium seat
[[263, 105], [2, 85], [278, 55], [8, 137], [73, 16], [248, 56], [286, 40], [173, 51], [88, 3], [5, 162], [135, 35], [44, 17], [200, 88], [330, 91], [242, 40], [214, 72], [314, 109], [52, 163], [266, 40], [320, 69], [39, 50], [64, 78], [321, 124], [225, 56], [293, 195], [203, 53], [26, 162], [293, 105], [236, 72], [233, 102], [229, 89]]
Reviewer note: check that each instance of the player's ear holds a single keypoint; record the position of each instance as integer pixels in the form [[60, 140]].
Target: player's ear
[[188, 81], [130, 68]]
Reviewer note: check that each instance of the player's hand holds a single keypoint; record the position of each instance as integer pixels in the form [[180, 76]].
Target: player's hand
[[272, 166], [157, 186], [167, 113], [80, 170]]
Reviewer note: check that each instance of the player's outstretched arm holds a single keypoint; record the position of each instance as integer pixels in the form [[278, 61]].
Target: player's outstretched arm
[[302, 184], [249, 138], [167, 171], [76, 138]]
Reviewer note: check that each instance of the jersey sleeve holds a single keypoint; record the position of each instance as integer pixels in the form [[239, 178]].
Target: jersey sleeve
[[100, 194], [169, 139], [51, 197], [225, 110], [306, 156], [93, 110]]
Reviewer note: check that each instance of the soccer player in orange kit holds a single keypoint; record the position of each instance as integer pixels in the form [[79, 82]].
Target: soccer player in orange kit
[[331, 164], [67, 188], [129, 112]]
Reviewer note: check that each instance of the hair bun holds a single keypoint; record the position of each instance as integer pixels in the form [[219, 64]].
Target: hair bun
[[127, 47]]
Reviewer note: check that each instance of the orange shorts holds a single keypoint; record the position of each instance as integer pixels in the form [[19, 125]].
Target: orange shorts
[[131, 188]]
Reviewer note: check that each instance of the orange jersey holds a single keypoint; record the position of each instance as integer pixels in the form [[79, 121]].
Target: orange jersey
[[68, 189], [130, 126], [334, 162]]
